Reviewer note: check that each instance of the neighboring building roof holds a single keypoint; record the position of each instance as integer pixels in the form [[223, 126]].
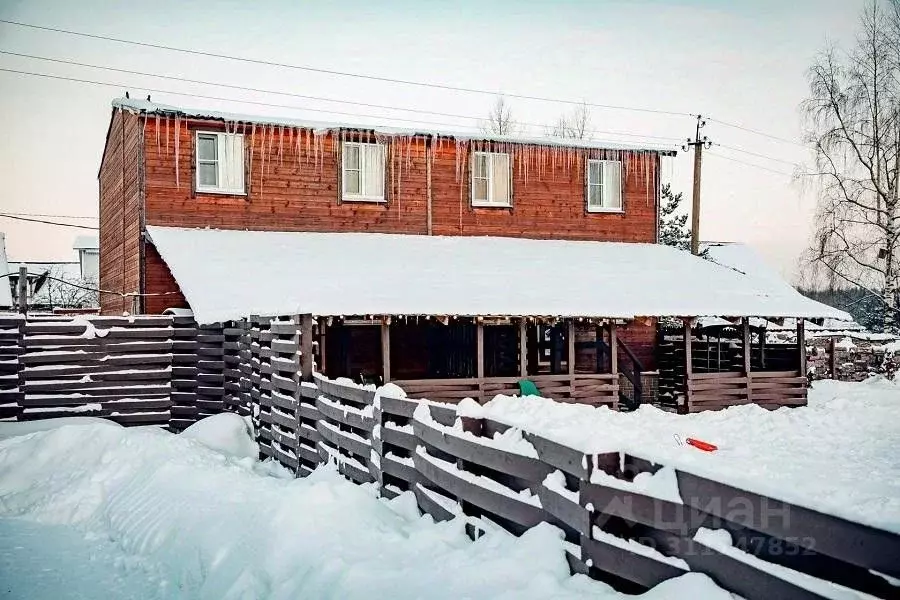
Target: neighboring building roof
[[148, 107], [745, 259], [86, 242], [6, 300], [231, 274]]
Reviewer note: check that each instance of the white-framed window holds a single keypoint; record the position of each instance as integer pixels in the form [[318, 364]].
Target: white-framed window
[[220, 162], [604, 186], [490, 179], [362, 172]]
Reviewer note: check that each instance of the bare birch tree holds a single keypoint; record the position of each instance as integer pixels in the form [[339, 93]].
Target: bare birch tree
[[500, 119], [575, 125], [853, 126]]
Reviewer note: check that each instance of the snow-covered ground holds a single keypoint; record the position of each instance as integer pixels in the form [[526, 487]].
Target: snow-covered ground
[[89, 509], [840, 454]]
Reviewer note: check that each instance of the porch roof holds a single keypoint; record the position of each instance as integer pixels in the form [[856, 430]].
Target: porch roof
[[230, 274]]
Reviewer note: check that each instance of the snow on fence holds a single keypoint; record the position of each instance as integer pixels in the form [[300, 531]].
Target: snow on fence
[[142, 370], [628, 521]]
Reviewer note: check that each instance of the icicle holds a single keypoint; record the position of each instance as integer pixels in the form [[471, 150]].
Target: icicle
[[297, 131], [252, 147], [157, 134], [177, 153], [167, 135]]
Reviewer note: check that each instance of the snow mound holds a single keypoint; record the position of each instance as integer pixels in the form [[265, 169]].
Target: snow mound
[[194, 524], [227, 433], [10, 430], [837, 455]]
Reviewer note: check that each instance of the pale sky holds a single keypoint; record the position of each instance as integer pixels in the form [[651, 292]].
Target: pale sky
[[739, 62]]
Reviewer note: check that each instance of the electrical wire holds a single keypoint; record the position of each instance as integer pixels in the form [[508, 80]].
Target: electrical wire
[[749, 164], [751, 130], [302, 96], [267, 104], [765, 156], [51, 216], [10, 216], [334, 72]]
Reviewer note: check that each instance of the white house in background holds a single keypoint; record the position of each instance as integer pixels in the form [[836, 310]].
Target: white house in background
[[88, 249], [57, 284], [5, 292]]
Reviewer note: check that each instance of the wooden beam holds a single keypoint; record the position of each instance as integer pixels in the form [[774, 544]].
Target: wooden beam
[[832, 357], [306, 357], [570, 335], [613, 349], [745, 334], [386, 350], [688, 359], [801, 346], [479, 349], [523, 348]]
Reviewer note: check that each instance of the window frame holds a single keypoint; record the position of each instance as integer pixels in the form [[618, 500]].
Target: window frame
[[588, 185], [489, 203], [362, 197], [218, 189]]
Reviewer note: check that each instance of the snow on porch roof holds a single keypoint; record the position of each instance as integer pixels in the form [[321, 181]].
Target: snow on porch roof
[[153, 108], [231, 274]]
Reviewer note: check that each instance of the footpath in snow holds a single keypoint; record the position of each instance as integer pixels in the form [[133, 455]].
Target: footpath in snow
[[98, 511], [839, 455]]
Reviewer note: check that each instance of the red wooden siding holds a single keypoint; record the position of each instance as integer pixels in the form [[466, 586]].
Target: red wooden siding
[[293, 184], [120, 222]]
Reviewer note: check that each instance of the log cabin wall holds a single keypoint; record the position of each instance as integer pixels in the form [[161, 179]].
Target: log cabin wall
[[293, 184], [120, 180]]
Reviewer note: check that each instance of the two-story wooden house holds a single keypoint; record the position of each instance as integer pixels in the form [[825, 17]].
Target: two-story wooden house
[[165, 167]]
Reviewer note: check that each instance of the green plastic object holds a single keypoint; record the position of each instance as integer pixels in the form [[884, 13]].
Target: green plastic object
[[527, 388]]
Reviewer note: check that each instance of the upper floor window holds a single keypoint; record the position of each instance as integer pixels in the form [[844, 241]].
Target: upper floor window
[[363, 171], [490, 179], [604, 186], [220, 162]]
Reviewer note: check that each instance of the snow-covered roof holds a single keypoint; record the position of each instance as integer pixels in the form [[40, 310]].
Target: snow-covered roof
[[5, 291], [232, 274], [154, 108], [86, 242], [745, 259]]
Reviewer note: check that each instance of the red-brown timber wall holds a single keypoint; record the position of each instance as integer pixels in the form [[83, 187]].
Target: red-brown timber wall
[[294, 185], [120, 222]]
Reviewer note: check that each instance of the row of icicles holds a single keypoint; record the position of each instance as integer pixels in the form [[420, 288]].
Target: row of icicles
[[307, 147]]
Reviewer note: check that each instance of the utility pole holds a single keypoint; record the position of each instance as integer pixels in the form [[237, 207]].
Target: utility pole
[[23, 289], [697, 144]]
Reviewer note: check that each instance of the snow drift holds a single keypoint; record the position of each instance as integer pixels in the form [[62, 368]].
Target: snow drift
[[201, 523]]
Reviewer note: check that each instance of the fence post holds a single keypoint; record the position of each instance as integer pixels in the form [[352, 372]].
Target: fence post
[[306, 358], [747, 348], [23, 289], [801, 347], [688, 364]]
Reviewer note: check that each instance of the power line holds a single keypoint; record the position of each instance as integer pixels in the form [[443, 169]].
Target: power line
[[255, 102], [10, 216], [765, 156], [303, 96], [753, 131], [52, 216], [750, 164], [320, 70]]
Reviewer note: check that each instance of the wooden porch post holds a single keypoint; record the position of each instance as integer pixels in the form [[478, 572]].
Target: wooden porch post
[[570, 342], [386, 349], [801, 347], [479, 357], [745, 329], [523, 348], [832, 357], [613, 349], [306, 341], [688, 366]]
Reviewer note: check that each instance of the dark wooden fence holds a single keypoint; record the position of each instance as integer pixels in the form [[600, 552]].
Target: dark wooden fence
[[616, 532], [141, 370]]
